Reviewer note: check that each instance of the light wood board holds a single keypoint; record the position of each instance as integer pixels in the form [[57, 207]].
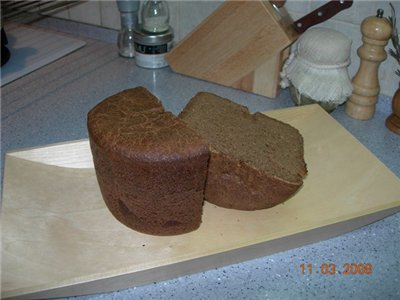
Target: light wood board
[[58, 238]]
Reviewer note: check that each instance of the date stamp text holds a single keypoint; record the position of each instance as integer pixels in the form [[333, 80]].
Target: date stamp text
[[332, 269]]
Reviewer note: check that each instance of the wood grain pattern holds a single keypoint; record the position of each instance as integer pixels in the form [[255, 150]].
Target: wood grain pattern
[[238, 45], [59, 239], [266, 78]]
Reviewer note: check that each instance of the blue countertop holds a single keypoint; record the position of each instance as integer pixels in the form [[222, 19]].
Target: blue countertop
[[50, 105]]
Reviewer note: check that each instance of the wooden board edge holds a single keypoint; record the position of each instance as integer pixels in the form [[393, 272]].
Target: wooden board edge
[[70, 154], [18, 151], [128, 280]]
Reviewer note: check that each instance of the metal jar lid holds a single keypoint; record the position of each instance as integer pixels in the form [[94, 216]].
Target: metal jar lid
[[150, 39]]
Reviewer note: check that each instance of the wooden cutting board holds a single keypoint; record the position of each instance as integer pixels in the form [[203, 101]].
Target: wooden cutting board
[[59, 239]]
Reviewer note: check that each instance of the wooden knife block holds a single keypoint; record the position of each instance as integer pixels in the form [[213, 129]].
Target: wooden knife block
[[242, 44]]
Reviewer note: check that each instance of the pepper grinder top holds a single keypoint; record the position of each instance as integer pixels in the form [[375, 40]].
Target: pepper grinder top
[[376, 33], [376, 30]]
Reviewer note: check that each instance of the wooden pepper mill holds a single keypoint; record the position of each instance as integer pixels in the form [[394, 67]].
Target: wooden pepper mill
[[376, 33]]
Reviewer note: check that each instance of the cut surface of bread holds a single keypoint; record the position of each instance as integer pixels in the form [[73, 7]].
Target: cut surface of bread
[[256, 161], [151, 167]]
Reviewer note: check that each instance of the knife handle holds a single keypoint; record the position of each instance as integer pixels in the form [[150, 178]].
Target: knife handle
[[321, 14]]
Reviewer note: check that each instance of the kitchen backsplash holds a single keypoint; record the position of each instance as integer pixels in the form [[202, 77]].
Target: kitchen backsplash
[[186, 15]]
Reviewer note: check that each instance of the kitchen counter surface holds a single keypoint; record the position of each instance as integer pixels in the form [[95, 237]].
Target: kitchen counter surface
[[50, 106]]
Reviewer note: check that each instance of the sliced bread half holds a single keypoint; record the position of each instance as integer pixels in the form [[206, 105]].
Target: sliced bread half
[[256, 161]]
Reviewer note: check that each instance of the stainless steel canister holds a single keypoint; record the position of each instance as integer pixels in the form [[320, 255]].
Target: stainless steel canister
[[150, 49]]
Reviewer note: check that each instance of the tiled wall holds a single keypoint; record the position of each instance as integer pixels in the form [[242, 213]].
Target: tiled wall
[[185, 15]]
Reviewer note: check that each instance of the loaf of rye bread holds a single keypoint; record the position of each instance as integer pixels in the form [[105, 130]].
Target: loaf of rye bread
[[256, 162], [150, 166]]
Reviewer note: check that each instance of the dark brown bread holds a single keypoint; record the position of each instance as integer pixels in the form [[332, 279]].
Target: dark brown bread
[[256, 161], [150, 166]]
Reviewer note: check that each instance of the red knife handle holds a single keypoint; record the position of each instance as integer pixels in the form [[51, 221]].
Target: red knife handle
[[321, 14]]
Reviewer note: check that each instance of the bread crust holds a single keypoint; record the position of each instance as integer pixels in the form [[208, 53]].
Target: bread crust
[[150, 166]]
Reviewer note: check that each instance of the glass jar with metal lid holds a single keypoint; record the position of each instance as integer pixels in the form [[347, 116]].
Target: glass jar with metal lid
[[150, 49]]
